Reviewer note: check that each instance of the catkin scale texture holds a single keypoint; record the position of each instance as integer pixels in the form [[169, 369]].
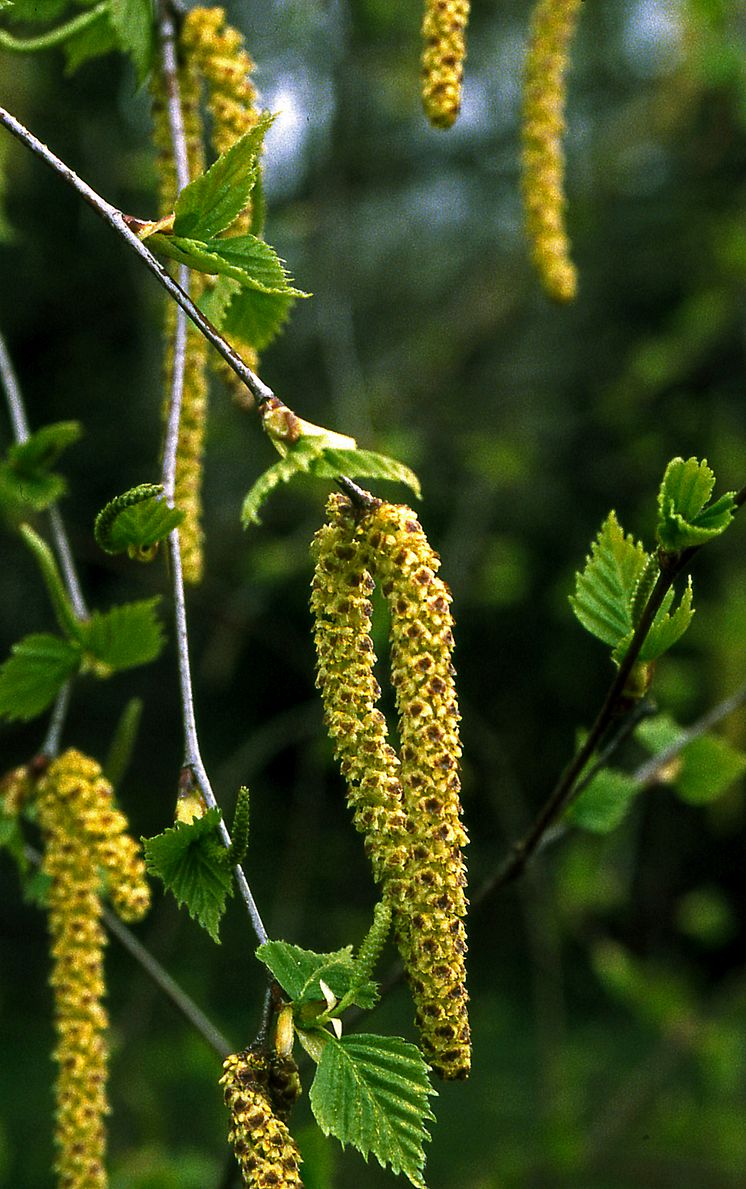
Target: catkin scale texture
[[266, 1152], [84, 834], [444, 51], [552, 27]]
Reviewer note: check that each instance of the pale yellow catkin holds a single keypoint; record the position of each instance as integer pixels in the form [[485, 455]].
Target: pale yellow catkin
[[190, 447], [264, 1148], [430, 931], [443, 55], [84, 834], [552, 27]]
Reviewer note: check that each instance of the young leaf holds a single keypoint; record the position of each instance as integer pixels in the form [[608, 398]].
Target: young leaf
[[27, 481], [42, 449], [134, 26], [684, 516], [33, 675], [136, 521], [93, 41], [251, 316], [210, 203], [194, 865], [604, 803], [665, 630], [250, 261], [364, 464], [371, 1092], [605, 590], [299, 971], [281, 472], [59, 598], [123, 637]]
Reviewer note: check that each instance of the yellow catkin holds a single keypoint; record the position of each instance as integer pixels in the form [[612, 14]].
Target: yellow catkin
[[431, 935], [266, 1152], [443, 55], [552, 27], [190, 448], [15, 789], [218, 52], [83, 834], [340, 602]]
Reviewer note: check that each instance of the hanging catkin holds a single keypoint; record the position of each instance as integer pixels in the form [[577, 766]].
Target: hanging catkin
[[84, 834], [190, 448], [266, 1152], [431, 933], [408, 811], [218, 52], [552, 27], [443, 55]]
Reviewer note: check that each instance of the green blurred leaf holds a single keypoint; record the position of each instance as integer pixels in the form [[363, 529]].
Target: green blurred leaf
[[684, 516], [605, 590], [193, 865], [27, 482], [706, 767], [210, 203], [604, 804], [123, 742], [34, 674], [134, 25], [372, 1092], [35, 11], [123, 637], [94, 41]]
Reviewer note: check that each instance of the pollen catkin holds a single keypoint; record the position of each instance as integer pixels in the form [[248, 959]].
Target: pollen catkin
[[266, 1152], [190, 447], [83, 833], [552, 27], [443, 55], [340, 602], [218, 52], [430, 932]]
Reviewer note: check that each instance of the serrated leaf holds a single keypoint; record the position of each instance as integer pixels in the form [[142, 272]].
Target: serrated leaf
[[684, 517], [255, 318], [372, 1092], [287, 468], [665, 630], [93, 41], [123, 637], [604, 804], [210, 203], [193, 864], [134, 25], [299, 972], [136, 521], [248, 260], [363, 464], [605, 590], [33, 675]]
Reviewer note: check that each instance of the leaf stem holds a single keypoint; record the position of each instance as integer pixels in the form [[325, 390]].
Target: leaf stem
[[63, 608], [192, 756], [53, 37], [121, 224]]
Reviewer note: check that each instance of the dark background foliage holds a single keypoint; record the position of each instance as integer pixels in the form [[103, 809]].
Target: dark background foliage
[[608, 988]]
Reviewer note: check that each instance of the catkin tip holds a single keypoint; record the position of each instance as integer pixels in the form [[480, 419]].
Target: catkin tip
[[443, 55]]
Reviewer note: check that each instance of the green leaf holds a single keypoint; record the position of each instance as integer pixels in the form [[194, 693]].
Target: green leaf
[[210, 203], [605, 590], [363, 464], [247, 314], [11, 838], [299, 972], [134, 26], [281, 472], [194, 865], [250, 261], [34, 674], [371, 1092], [94, 41], [707, 766], [603, 805], [123, 637], [123, 742], [136, 521], [665, 630], [684, 516], [27, 482], [35, 11]]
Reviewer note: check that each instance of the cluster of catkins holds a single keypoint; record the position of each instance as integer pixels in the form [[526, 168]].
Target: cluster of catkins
[[85, 839], [552, 28], [260, 1090], [214, 65], [407, 805]]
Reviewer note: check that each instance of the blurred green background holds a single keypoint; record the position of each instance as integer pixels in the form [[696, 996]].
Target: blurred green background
[[608, 987]]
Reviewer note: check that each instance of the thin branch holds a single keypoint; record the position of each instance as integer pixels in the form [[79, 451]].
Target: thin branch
[[648, 771], [53, 738], [120, 223], [192, 756]]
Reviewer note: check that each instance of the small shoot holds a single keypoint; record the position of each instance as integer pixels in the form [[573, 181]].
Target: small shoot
[[194, 866], [136, 522], [686, 518], [28, 481]]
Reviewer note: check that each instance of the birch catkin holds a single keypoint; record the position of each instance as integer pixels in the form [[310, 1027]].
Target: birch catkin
[[266, 1152], [83, 833], [552, 27], [430, 932], [190, 447], [443, 55]]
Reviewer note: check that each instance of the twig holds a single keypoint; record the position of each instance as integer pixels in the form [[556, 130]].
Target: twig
[[192, 756], [119, 222], [649, 770], [53, 738]]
